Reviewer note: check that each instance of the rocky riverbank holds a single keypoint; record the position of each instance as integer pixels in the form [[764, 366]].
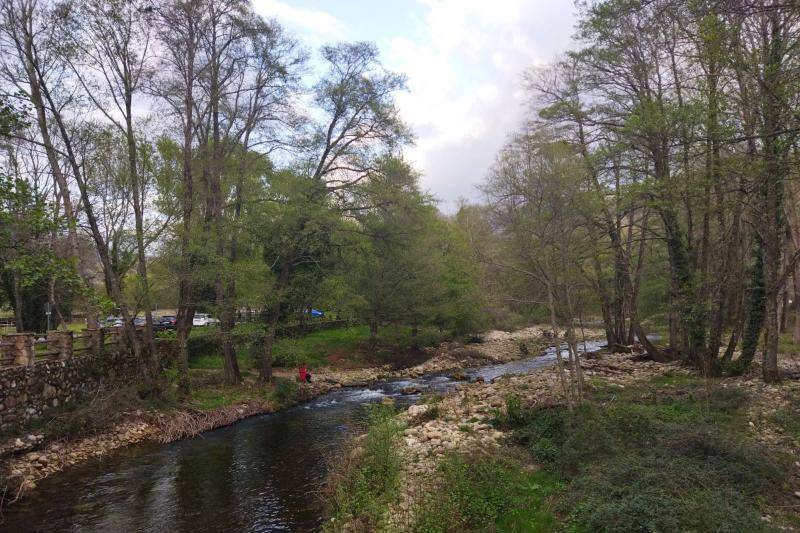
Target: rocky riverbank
[[30, 458], [462, 420], [465, 421]]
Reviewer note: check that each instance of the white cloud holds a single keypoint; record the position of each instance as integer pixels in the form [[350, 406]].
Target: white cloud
[[316, 25], [464, 60], [465, 80]]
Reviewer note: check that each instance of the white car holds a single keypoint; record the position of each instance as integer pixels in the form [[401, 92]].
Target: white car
[[202, 319]]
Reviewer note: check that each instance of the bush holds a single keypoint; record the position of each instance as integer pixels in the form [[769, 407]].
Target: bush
[[364, 481], [651, 493], [511, 416], [655, 460], [487, 493], [285, 391], [205, 344]]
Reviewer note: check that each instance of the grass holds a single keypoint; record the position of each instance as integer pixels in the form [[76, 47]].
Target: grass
[[786, 346], [283, 393], [345, 346], [788, 418], [214, 362], [670, 455], [215, 397], [364, 480], [479, 492], [316, 346], [350, 344]]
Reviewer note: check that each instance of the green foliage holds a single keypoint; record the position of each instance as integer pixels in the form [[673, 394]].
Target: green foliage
[[313, 348], [366, 480], [28, 262], [218, 395], [668, 457], [511, 415], [285, 391], [412, 266], [488, 493]]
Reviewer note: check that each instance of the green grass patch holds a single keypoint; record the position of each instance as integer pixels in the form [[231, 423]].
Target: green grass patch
[[488, 493], [672, 455], [214, 362], [345, 346], [215, 397], [788, 418], [316, 346], [364, 480], [786, 346], [672, 379]]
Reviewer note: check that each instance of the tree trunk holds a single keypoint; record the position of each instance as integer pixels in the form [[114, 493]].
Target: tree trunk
[[754, 309], [17, 288], [796, 329], [273, 316], [186, 308], [110, 274], [373, 331], [151, 366], [636, 281], [772, 193], [551, 305], [29, 57]]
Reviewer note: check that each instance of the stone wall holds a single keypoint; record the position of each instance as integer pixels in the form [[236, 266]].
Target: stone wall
[[30, 385], [26, 392]]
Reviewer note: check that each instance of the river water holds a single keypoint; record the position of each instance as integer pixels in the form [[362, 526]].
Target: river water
[[261, 474]]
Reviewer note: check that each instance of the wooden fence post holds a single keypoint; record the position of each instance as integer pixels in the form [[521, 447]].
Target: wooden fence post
[[101, 341]]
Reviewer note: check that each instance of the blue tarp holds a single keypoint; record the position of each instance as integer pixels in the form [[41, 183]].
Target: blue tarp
[[316, 313]]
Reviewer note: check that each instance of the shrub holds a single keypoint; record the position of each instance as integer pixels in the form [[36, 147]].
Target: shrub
[[511, 416], [285, 391], [656, 493], [655, 461], [364, 480], [204, 344], [486, 493]]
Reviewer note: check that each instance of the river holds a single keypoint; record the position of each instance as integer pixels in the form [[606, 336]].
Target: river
[[260, 475]]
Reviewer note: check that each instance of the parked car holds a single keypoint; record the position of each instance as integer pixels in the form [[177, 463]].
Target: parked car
[[165, 322], [202, 319], [113, 322]]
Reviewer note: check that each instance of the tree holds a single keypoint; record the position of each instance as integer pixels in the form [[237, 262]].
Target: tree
[[359, 124], [535, 191]]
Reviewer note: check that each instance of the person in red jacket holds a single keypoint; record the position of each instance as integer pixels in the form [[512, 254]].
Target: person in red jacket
[[303, 374]]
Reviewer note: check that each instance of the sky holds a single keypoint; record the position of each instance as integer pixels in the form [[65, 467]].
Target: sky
[[464, 60]]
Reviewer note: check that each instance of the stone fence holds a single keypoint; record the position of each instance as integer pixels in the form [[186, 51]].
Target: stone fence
[[41, 372]]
